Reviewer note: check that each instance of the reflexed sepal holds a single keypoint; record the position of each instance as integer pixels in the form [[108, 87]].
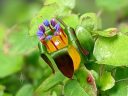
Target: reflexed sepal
[[72, 39], [85, 38]]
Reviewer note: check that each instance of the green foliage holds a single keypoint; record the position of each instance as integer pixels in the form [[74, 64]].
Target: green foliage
[[110, 32], [70, 4], [20, 42], [123, 28], [106, 81], [71, 19], [90, 21], [26, 90], [50, 82], [84, 37], [82, 76], [7, 67], [24, 73], [72, 88], [121, 89], [112, 5], [112, 51], [2, 30]]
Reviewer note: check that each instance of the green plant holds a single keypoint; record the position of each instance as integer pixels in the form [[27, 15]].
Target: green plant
[[103, 72], [107, 51]]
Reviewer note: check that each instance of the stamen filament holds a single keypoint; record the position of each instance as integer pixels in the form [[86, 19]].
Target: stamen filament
[[54, 44]]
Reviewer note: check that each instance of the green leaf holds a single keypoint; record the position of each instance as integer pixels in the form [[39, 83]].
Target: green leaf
[[73, 88], [110, 32], [112, 51], [62, 3], [120, 89], [2, 88], [7, 94], [9, 64], [82, 76], [123, 27], [106, 81], [20, 42], [90, 21], [50, 82], [112, 5], [121, 74], [54, 93], [58, 90], [26, 90], [71, 20], [2, 33]]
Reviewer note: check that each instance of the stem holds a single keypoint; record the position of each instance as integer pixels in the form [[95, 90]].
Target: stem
[[61, 22]]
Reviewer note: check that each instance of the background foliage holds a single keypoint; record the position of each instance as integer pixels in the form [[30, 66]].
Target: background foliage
[[22, 71]]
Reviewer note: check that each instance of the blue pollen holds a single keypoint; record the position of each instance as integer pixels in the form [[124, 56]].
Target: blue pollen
[[57, 27], [46, 23]]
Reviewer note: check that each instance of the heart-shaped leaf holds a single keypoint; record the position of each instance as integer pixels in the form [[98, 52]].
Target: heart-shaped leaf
[[73, 88], [112, 51]]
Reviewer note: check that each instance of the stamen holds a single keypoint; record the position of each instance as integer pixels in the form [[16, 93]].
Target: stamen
[[41, 27], [54, 44], [45, 43], [63, 32], [46, 23], [53, 22], [61, 39], [49, 37], [58, 28], [58, 34], [40, 33]]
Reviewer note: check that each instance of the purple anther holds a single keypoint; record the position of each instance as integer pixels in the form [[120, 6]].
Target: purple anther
[[48, 37], [57, 27], [53, 22], [40, 33], [46, 23], [42, 28]]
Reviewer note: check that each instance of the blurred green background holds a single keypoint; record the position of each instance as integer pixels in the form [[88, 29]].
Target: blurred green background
[[20, 63]]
